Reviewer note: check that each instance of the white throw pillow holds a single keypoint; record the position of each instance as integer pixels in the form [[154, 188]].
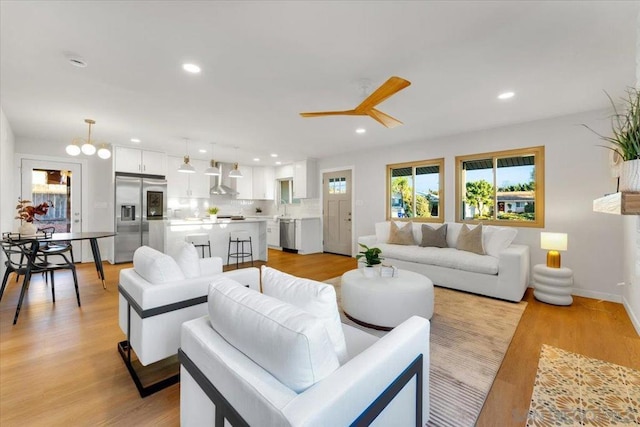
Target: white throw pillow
[[188, 260], [155, 267], [453, 231], [318, 299], [289, 343], [497, 239]]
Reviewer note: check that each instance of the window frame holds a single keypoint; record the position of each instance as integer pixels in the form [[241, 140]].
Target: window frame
[[539, 193], [441, 196]]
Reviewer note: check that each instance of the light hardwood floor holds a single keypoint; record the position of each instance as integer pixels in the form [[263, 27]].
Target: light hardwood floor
[[59, 365]]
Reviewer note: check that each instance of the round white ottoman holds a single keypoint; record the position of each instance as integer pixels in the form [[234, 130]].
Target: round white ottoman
[[385, 302]]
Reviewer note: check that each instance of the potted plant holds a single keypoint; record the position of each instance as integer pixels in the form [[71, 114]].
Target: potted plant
[[625, 141], [371, 258], [213, 213], [27, 215]]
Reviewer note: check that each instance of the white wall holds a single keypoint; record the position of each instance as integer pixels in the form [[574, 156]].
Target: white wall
[[8, 197], [576, 173]]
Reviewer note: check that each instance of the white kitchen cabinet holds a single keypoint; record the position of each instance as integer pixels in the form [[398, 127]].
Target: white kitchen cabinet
[[308, 235], [264, 180], [244, 185], [273, 233], [305, 179], [134, 160], [181, 184]]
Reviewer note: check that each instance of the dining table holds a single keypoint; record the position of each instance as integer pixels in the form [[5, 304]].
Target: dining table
[[91, 236]]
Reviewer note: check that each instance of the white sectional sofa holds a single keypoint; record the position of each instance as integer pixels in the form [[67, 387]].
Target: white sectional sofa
[[503, 272], [283, 358]]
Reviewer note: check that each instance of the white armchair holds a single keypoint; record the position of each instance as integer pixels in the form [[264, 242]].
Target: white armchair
[[257, 360], [160, 293]]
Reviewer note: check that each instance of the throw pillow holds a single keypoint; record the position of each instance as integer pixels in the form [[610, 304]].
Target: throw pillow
[[286, 341], [434, 237], [188, 260], [470, 240], [497, 239], [401, 236], [155, 267], [316, 298]]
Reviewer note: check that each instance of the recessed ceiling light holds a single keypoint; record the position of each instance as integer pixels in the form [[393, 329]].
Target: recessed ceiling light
[[361, 130], [191, 68], [256, 159], [135, 140], [278, 163], [506, 95], [274, 155], [202, 150]]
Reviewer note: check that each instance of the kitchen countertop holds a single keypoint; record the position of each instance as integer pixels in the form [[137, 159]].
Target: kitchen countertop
[[208, 221]]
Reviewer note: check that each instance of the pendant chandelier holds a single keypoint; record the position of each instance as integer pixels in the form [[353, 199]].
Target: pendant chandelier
[[86, 146], [212, 169], [185, 167], [235, 172]]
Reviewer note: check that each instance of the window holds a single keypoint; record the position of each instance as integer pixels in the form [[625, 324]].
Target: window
[[285, 192], [415, 191], [501, 188]]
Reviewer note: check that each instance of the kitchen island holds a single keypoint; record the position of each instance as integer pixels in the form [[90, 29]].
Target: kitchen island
[[168, 235]]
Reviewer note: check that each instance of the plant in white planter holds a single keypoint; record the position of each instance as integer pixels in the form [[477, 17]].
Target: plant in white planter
[[625, 141], [213, 213], [371, 258]]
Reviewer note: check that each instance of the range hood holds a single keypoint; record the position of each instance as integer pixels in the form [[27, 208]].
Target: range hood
[[221, 184]]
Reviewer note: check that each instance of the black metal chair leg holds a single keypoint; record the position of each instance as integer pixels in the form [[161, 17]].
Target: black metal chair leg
[[53, 286], [25, 285], [7, 272]]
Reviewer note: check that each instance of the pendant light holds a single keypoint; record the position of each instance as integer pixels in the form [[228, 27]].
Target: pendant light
[[86, 146], [186, 167], [235, 172], [212, 169]]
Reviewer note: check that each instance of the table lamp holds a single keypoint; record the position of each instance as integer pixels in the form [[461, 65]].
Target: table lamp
[[553, 242]]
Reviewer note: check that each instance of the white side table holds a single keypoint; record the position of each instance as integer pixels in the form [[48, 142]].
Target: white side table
[[552, 285]]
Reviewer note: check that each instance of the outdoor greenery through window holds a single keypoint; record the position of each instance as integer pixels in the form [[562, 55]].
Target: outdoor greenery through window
[[415, 190], [505, 187]]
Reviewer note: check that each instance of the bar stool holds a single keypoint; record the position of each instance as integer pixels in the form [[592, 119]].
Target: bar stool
[[199, 240], [239, 238]]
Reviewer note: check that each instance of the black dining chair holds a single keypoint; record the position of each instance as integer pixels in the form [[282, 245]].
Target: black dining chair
[[24, 261]]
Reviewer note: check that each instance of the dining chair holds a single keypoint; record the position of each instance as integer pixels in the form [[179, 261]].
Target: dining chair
[[23, 260]]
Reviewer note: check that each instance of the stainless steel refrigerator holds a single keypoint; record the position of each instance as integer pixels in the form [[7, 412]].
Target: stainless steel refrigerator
[[139, 199]]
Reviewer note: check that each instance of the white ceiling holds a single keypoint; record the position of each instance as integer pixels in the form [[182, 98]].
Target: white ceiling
[[264, 62]]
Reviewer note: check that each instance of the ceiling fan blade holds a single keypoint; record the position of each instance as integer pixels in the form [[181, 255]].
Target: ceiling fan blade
[[333, 113], [388, 88], [384, 119]]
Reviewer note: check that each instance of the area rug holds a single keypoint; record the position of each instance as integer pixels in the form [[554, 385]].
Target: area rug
[[572, 389], [470, 335]]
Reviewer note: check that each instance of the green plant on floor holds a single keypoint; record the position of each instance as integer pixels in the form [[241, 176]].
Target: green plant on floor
[[625, 126], [213, 210], [371, 255]]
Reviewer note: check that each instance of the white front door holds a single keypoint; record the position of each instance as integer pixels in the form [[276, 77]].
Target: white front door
[[60, 183], [336, 212]]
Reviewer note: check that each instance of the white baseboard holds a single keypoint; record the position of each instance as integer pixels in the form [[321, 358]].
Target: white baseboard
[[597, 295], [632, 316]]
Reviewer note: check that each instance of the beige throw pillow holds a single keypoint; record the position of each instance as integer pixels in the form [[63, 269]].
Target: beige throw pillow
[[434, 237], [470, 240], [401, 236]]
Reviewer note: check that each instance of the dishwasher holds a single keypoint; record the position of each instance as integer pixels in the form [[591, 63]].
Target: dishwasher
[[288, 234]]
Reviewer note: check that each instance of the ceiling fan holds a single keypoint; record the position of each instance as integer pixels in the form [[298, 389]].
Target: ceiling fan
[[366, 107]]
